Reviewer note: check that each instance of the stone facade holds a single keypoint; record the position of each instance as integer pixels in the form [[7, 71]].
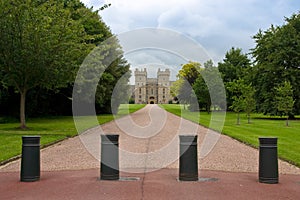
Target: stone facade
[[152, 90]]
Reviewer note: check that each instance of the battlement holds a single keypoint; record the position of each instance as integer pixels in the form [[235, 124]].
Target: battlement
[[142, 72], [167, 70], [138, 72], [161, 72]]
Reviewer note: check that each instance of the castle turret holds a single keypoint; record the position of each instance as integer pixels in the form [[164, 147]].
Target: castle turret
[[140, 85], [163, 77], [140, 77], [163, 80]]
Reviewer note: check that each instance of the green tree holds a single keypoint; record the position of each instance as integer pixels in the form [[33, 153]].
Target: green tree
[[249, 100], [188, 73], [238, 103], [116, 72], [235, 66], [96, 30], [100, 35], [243, 98], [201, 91], [40, 45], [175, 87], [284, 99], [185, 93], [42, 101], [215, 85], [97, 78], [277, 58], [209, 88]]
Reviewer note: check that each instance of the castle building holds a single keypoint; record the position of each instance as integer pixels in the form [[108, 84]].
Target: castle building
[[152, 90]]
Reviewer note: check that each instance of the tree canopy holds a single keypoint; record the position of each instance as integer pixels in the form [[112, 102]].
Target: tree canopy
[[208, 88], [277, 59], [40, 46], [235, 66], [243, 98], [187, 77], [43, 43], [284, 99]]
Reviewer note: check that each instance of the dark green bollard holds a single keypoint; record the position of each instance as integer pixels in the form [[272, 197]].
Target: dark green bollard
[[268, 160], [109, 157], [188, 161], [30, 161]]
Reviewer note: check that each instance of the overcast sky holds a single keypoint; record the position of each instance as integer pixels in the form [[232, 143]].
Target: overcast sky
[[217, 25]]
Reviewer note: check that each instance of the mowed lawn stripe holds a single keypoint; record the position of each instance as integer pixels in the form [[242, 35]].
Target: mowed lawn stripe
[[260, 126]]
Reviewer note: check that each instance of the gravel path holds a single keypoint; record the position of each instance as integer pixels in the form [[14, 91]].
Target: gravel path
[[149, 141]]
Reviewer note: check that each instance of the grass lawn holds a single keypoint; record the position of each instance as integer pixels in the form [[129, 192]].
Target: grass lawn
[[51, 129], [260, 126]]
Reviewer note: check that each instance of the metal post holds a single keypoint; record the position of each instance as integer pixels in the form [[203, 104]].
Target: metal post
[[30, 161], [109, 157], [268, 160], [188, 161]]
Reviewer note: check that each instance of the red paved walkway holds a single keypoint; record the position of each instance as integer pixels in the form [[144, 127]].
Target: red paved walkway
[[162, 184]]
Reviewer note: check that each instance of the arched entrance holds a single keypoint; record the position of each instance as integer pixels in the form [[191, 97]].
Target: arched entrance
[[151, 100]]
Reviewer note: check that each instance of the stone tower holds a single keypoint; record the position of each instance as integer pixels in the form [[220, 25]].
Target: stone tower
[[163, 81], [140, 85]]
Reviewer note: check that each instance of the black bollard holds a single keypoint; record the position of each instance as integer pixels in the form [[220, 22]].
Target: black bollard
[[30, 161], [188, 161], [109, 157], [268, 160]]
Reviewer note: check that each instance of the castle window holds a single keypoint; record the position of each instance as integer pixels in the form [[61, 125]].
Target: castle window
[[140, 90], [151, 90], [140, 96], [164, 91]]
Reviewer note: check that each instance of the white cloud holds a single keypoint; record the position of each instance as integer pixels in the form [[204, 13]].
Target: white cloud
[[217, 24]]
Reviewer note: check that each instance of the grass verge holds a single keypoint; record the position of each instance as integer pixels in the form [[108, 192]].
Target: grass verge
[[260, 126], [51, 129]]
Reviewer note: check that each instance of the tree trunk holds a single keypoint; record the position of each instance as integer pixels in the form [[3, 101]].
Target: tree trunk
[[22, 110], [287, 121], [248, 115], [238, 119], [208, 109]]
